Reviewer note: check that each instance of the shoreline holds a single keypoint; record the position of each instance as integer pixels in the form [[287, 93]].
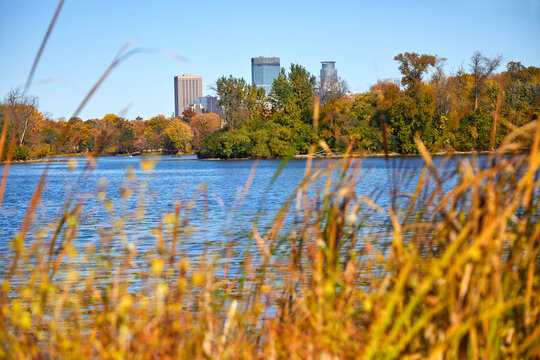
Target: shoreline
[[56, 158]]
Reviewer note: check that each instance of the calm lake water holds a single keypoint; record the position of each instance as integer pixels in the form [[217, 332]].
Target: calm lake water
[[180, 180]]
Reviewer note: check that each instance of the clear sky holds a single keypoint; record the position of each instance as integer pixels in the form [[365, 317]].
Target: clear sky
[[220, 37]]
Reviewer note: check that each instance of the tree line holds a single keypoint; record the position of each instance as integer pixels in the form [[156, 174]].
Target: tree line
[[34, 135], [472, 109]]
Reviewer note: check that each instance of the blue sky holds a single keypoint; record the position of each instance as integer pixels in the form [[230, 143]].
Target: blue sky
[[220, 37]]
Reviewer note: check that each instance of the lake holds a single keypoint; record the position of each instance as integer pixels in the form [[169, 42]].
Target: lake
[[222, 218]]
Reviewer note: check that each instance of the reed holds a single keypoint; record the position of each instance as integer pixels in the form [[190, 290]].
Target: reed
[[454, 275]]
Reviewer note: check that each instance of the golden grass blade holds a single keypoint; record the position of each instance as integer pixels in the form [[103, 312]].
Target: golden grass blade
[[326, 148], [123, 54], [316, 105], [7, 164], [42, 47], [384, 135], [7, 117], [496, 114], [249, 180]]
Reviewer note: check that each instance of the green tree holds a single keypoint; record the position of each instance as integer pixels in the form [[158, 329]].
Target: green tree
[[231, 92], [292, 92], [521, 90], [20, 152], [227, 144], [260, 139], [256, 101]]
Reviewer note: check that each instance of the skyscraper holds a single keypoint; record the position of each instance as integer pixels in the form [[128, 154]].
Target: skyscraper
[[186, 89], [328, 75], [209, 103], [263, 71]]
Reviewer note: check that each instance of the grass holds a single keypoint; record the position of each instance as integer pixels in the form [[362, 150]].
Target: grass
[[457, 277]]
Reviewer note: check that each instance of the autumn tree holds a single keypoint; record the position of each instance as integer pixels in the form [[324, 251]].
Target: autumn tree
[[188, 114], [70, 134], [106, 134], [115, 135], [78, 135], [348, 121], [517, 71], [24, 114], [481, 68], [140, 143], [416, 107], [178, 136], [413, 67], [125, 136], [154, 131], [204, 125]]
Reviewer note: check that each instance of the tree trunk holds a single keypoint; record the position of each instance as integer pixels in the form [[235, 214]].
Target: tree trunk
[[475, 97], [25, 127]]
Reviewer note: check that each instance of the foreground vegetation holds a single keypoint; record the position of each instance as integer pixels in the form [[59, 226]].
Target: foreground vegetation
[[454, 275]]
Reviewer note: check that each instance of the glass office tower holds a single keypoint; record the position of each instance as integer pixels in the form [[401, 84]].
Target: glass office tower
[[328, 74], [263, 71]]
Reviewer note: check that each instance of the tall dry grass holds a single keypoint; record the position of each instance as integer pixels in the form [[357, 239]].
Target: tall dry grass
[[454, 276], [458, 278]]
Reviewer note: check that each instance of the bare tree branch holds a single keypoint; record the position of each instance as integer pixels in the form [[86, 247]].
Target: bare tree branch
[[481, 68]]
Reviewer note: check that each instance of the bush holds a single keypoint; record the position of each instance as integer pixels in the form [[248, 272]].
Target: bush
[[42, 151], [20, 152]]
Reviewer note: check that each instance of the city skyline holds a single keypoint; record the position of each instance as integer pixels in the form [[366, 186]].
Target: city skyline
[[363, 40]]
